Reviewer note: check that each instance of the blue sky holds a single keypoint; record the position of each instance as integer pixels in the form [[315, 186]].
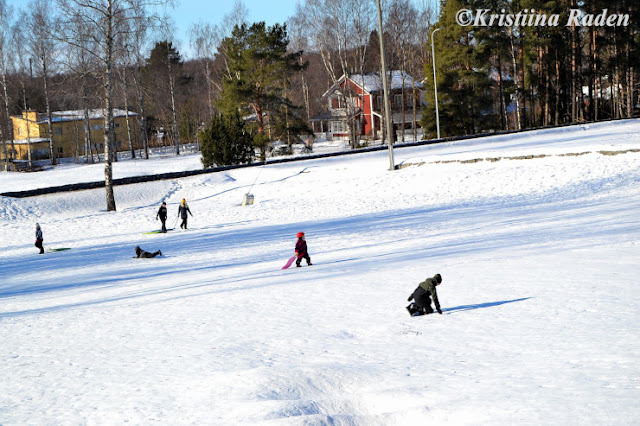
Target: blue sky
[[189, 12]]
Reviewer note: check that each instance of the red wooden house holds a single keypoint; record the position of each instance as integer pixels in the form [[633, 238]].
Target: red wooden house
[[358, 101]]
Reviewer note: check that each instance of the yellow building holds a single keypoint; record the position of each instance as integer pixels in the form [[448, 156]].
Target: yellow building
[[32, 129]]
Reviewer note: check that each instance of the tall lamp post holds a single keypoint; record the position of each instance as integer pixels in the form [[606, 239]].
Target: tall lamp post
[[385, 89], [435, 83]]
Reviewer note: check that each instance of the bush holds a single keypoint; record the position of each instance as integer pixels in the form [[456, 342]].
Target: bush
[[226, 142]]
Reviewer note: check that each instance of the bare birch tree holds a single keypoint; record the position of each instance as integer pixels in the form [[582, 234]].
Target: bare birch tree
[[6, 52], [23, 71], [82, 66], [38, 24], [339, 31], [205, 38], [400, 26], [169, 36], [106, 20]]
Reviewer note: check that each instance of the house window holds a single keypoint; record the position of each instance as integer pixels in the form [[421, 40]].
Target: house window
[[19, 131], [60, 150], [338, 127], [97, 127], [337, 103], [58, 131], [397, 101]]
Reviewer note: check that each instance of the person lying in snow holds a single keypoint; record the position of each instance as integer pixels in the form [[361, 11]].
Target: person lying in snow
[[422, 295], [141, 253]]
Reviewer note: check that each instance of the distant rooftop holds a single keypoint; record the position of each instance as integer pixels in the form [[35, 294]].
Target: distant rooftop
[[94, 114]]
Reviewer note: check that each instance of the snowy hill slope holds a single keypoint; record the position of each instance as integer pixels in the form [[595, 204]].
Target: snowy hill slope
[[539, 259]]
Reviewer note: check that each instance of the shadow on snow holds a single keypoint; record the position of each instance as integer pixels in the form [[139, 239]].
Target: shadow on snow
[[482, 305]]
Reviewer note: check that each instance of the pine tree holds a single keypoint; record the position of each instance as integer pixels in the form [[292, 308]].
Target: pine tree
[[464, 86], [226, 142], [258, 68]]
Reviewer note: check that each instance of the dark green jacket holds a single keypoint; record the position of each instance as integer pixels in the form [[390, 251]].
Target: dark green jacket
[[425, 289]]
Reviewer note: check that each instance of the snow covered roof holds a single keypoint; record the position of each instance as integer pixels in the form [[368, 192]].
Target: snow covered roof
[[28, 141], [372, 83], [94, 114]]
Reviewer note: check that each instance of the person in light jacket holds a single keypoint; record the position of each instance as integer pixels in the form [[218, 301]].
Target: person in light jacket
[[183, 209]]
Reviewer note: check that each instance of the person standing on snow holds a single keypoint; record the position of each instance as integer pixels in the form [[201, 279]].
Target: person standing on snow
[[301, 250], [182, 212], [39, 238], [422, 296], [162, 214]]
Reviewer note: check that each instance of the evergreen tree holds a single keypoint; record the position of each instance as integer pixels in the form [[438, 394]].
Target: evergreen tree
[[258, 69], [226, 142], [462, 68]]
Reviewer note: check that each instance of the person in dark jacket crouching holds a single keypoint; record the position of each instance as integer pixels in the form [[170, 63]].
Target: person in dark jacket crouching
[[141, 253], [422, 295]]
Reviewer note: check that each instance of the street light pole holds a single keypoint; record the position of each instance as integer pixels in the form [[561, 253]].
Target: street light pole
[[435, 83], [385, 90]]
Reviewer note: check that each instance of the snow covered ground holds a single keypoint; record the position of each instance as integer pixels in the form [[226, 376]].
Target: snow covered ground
[[540, 294]]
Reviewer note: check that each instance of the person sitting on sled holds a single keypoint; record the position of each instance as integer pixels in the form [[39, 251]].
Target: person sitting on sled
[[301, 250], [141, 253], [422, 295]]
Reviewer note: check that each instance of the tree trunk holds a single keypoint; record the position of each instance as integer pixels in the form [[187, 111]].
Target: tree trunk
[[108, 114], [24, 101], [176, 135], [126, 108], [514, 60], [596, 77], [52, 153], [501, 95], [207, 71], [574, 49], [9, 122], [629, 82], [547, 95], [143, 114], [413, 106]]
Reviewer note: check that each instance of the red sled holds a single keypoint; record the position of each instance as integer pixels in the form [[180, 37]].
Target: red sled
[[289, 262]]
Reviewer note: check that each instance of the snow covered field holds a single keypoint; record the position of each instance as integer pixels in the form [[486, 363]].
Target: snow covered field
[[539, 259]]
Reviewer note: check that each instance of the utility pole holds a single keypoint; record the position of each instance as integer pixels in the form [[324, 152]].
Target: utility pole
[[385, 89], [435, 82]]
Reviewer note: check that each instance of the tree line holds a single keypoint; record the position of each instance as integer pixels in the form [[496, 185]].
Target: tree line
[[501, 77]]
